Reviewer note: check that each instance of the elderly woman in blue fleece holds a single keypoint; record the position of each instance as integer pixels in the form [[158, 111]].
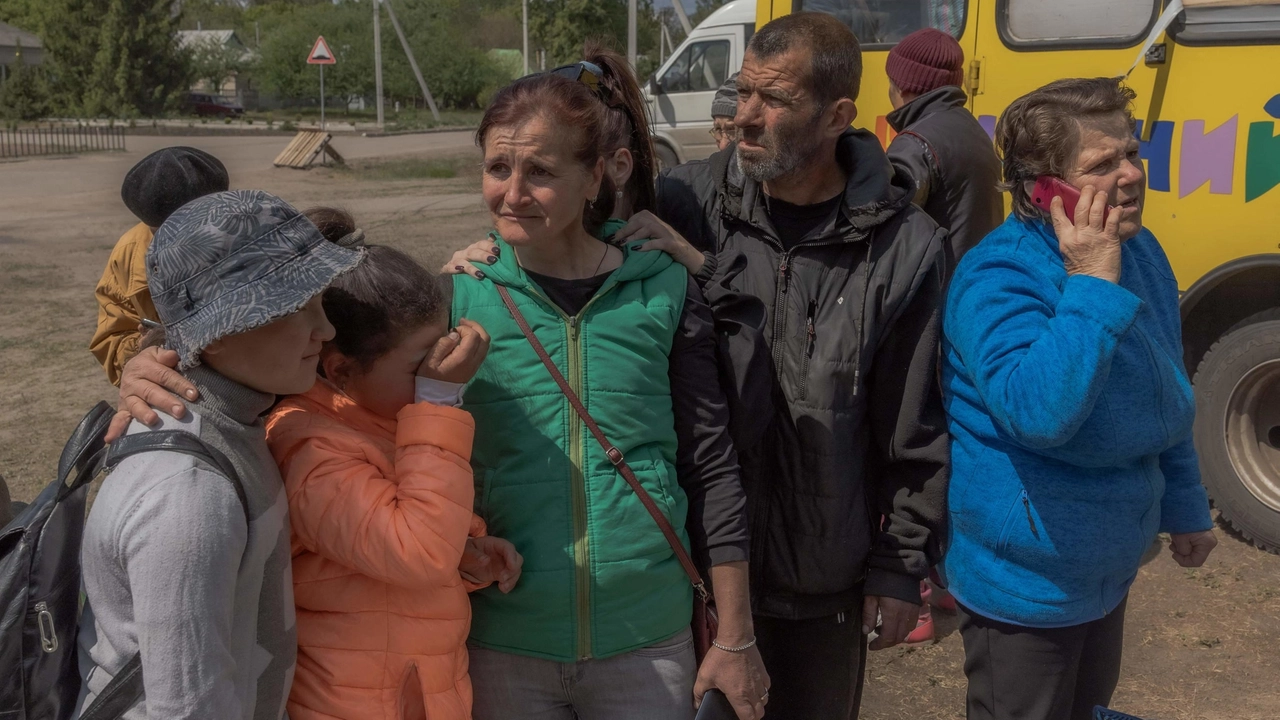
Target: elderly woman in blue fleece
[[1070, 413]]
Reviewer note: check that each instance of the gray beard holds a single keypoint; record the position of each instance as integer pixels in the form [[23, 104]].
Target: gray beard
[[781, 158]]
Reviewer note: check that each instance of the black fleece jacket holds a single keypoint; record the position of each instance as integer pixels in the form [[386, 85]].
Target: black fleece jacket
[[846, 490], [943, 148]]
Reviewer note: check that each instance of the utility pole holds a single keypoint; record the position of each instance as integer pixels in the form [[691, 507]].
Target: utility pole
[[377, 55], [678, 6], [413, 64], [525, 16], [631, 33]]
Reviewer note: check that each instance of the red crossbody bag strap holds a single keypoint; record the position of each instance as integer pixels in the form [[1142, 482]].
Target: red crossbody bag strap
[[614, 454]]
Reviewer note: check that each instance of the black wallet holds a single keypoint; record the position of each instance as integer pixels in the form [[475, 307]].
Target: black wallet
[[715, 706]]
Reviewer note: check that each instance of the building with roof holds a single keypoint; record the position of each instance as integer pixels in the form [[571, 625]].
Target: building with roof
[[237, 86], [15, 41]]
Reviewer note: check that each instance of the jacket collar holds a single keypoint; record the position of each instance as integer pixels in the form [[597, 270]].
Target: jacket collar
[[223, 396], [875, 189], [336, 404], [635, 265], [934, 101]]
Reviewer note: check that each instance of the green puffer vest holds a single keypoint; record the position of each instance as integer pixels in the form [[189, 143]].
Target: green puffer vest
[[599, 578]]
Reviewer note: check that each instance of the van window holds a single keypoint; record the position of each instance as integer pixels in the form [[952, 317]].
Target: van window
[[1211, 25], [879, 24], [1080, 23], [702, 66]]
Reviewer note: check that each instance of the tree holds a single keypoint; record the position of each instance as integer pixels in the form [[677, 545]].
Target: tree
[[215, 62], [441, 33], [25, 14], [560, 27], [116, 57], [25, 94]]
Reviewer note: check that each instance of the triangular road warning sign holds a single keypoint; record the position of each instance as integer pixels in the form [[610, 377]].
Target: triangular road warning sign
[[321, 54]]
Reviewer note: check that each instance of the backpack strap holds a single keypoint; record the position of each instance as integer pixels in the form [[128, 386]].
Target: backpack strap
[[177, 441], [122, 693], [126, 688]]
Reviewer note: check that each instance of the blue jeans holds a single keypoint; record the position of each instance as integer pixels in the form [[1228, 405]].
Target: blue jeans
[[652, 683]]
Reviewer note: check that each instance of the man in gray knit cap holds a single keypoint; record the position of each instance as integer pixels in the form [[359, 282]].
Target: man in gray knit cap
[[177, 566], [723, 107]]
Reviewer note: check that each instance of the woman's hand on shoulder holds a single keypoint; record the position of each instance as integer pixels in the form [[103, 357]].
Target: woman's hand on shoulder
[[469, 260], [150, 380], [457, 356], [1091, 244], [661, 236]]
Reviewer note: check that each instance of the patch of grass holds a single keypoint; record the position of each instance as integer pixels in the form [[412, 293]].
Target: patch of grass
[[407, 169]]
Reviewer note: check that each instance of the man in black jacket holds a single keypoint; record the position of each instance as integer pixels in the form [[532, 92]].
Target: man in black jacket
[[847, 493], [940, 143]]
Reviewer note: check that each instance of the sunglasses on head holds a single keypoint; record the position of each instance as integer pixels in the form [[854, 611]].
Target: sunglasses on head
[[587, 73]]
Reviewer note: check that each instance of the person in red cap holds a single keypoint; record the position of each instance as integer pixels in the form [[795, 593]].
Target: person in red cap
[[954, 164], [940, 143]]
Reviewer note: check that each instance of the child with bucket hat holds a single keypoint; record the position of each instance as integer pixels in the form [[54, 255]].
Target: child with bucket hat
[[178, 567]]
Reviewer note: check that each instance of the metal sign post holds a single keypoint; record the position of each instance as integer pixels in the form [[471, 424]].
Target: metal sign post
[[321, 55]]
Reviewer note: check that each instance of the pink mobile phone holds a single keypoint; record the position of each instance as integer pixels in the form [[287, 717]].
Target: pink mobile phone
[[1047, 186]]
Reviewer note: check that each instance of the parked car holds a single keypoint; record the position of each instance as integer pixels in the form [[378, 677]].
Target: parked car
[[207, 105]]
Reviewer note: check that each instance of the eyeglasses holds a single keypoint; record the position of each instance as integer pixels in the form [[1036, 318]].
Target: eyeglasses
[[719, 133], [587, 73]]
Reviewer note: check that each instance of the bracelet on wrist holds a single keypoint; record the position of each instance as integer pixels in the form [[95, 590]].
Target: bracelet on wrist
[[737, 649]]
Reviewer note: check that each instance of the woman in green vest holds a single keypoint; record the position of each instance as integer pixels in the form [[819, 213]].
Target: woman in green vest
[[598, 627]]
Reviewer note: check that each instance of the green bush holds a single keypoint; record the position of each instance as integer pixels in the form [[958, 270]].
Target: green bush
[[25, 95], [288, 126]]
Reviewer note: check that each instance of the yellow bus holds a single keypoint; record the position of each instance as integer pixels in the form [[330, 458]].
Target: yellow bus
[[1207, 77]]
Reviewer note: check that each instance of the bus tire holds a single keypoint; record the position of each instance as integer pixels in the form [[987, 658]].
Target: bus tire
[[1237, 427]]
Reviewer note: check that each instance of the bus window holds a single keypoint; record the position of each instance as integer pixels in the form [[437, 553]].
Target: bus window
[[1209, 25], [880, 24], [1081, 23]]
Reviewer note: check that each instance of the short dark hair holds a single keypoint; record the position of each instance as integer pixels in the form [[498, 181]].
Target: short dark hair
[[1039, 133], [836, 57]]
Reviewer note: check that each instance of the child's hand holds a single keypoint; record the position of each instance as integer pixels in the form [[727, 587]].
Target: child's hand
[[488, 560], [457, 356]]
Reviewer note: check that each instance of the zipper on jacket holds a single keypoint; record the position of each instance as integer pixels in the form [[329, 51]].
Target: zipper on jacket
[[48, 634], [1026, 504], [811, 335], [577, 457], [578, 491], [780, 312]]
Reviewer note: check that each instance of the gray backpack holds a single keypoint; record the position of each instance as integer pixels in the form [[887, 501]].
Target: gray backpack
[[40, 577]]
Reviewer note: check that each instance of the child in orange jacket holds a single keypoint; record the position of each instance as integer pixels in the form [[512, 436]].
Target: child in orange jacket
[[375, 460]]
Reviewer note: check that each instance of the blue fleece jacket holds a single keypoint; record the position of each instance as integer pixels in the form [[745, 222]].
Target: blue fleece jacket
[[1070, 417]]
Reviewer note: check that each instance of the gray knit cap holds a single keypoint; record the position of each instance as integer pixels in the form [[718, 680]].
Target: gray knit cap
[[233, 261], [725, 103]]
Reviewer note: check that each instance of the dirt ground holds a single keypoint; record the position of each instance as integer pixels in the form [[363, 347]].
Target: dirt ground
[[1200, 644]]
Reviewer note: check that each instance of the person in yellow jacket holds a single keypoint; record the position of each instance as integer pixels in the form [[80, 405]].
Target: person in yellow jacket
[[159, 184]]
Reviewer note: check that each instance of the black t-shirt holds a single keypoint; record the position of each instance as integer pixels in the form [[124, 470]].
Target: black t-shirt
[[569, 295], [795, 223]]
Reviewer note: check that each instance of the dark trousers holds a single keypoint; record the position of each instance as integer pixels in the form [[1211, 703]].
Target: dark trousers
[[1022, 673], [815, 665]]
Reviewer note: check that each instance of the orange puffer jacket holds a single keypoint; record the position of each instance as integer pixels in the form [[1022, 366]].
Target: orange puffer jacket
[[381, 512]]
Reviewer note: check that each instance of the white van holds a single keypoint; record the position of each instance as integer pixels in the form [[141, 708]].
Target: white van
[[680, 92]]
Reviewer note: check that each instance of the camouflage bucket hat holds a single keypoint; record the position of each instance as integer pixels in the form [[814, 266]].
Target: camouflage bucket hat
[[229, 262]]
